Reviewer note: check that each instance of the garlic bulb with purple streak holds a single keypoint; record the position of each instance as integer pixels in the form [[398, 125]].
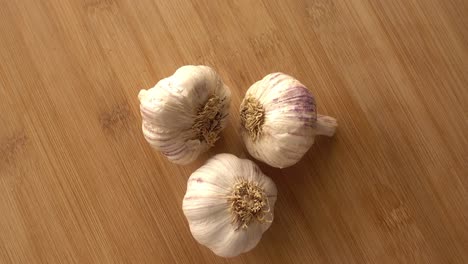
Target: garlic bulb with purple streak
[[184, 113], [279, 120], [229, 204]]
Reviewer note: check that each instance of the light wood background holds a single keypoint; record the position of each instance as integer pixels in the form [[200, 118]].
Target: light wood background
[[79, 184]]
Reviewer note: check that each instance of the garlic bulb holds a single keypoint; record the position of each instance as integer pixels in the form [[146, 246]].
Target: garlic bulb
[[229, 204], [184, 113], [279, 120]]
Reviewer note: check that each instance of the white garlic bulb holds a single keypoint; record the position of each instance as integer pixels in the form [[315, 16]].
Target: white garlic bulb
[[184, 113], [279, 120], [229, 204]]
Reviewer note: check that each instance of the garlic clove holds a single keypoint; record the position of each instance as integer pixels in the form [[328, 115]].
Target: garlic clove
[[184, 114], [229, 204], [235, 241], [279, 120]]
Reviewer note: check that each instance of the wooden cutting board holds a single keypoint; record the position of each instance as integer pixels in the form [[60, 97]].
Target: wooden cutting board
[[79, 184]]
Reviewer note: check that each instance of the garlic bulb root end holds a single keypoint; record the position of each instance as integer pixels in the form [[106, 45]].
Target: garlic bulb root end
[[207, 124], [252, 116], [325, 125], [248, 203]]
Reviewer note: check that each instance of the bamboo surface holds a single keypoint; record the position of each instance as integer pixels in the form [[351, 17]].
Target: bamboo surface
[[79, 183]]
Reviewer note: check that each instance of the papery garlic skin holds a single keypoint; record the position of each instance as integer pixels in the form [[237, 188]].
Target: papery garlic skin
[[287, 120], [171, 109], [209, 211]]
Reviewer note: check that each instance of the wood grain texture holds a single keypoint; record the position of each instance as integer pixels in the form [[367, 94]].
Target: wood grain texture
[[79, 184]]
